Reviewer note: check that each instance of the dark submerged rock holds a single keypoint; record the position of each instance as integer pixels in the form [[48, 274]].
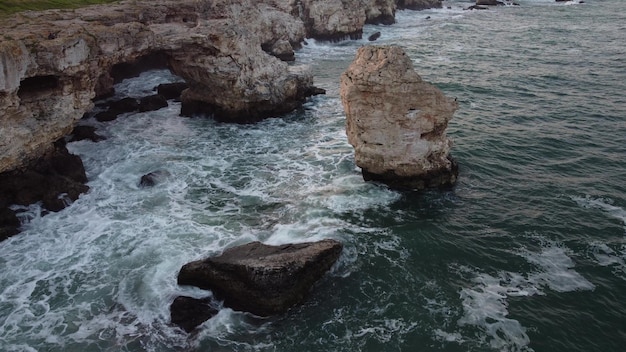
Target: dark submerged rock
[[85, 132], [124, 105], [188, 313], [476, 7], [106, 116], [55, 179], [262, 279], [9, 223], [374, 36], [171, 90], [152, 178], [152, 102]]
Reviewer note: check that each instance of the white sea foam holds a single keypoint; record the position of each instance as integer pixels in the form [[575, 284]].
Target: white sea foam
[[485, 304], [604, 204]]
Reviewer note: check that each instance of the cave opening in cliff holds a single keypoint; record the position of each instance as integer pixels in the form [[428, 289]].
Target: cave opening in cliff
[[37, 85], [151, 61]]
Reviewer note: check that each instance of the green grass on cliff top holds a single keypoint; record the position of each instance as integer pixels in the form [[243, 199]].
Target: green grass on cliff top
[[8, 7]]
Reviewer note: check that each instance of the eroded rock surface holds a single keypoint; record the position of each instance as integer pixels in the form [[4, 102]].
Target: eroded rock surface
[[263, 279], [396, 122], [53, 63]]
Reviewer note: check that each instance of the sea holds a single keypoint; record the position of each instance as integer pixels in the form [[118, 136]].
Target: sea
[[526, 253]]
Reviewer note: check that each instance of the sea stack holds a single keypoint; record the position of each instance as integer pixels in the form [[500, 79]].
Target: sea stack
[[396, 122]]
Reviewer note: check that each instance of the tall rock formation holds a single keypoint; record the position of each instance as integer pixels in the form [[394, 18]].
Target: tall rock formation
[[396, 122]]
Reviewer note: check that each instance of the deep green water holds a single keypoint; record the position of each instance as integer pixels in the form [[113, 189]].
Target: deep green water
[[526, 253]]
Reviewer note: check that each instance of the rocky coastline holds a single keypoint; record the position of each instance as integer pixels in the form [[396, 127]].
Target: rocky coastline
[[232, 55]]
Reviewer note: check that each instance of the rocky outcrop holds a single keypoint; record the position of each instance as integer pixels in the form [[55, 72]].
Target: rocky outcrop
[[53, 63], [188, 312], [419, 4], [396, 122], [55, 180], [262, 279]]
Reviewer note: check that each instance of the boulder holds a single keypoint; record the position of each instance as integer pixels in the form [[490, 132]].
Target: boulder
[[374, 36], [263, 279], [188, 312], [171, 90], [82, 132], [124, 105], [152, 178], [152, 102], [396, 122]]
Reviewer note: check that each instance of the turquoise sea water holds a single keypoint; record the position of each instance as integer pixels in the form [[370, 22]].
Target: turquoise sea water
[[526, 253]]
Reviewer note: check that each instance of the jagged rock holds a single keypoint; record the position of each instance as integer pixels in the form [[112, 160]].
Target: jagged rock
[[53, 63], [124, 105], [152, 178], [396, 122], [419, 4], [171, 90], [188, 312], [48, 83], [374, 36], [106, 116], [152, 102], [85, 132], [9, 223], [46, 179], [262, 279]]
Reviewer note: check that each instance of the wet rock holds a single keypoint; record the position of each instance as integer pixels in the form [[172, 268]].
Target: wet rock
[[106, 116], [9, 223], [188, 313], [124, 105], [152, 102], [85, 132], [153, 178], [56, 179], [262, 279], [374, 36], [171, 90], [476, 7], [396, 122]]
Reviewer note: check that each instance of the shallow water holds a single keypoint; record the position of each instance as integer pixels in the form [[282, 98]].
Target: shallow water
[[526, 253]]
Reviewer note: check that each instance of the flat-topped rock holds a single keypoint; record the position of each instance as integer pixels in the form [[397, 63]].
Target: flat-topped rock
[[263, 279]]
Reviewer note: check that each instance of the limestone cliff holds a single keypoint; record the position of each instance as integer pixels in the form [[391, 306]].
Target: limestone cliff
[[396, 121], [53, 63]]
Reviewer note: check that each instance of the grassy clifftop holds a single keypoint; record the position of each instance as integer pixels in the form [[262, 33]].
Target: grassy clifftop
[[8, 7]]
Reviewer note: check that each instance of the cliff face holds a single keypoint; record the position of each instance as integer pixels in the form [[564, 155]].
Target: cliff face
[[53, 63]]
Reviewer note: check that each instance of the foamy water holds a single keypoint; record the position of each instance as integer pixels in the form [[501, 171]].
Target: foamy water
[[526, 253]]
